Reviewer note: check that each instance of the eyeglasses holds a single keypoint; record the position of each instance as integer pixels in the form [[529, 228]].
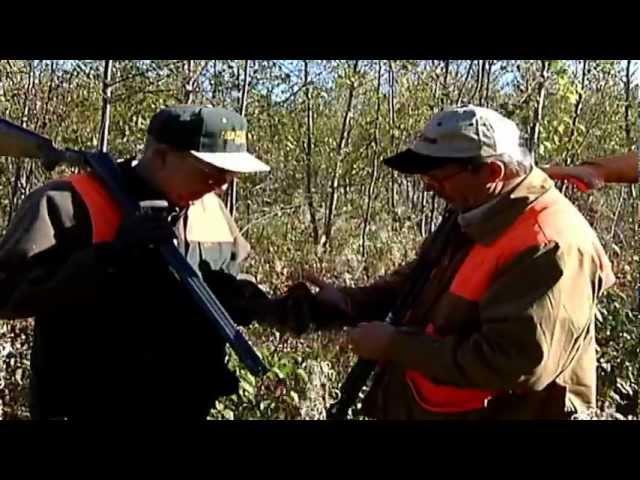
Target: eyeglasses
[[438, 181]]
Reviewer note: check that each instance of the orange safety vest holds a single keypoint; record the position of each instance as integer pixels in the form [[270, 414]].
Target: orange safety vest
[[104, 212], [471, 282]]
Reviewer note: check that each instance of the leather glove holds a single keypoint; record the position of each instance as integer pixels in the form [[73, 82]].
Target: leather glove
[[300, 310], [143, 230], [297, 311], [242, 299], [134, 239], [291, 312]]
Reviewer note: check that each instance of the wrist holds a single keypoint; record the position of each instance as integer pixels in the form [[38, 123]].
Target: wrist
[[392, 350]]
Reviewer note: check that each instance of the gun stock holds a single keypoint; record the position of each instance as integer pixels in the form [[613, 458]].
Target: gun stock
[[19, 142]]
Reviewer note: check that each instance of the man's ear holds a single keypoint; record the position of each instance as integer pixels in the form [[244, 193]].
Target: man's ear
[[495, 171]]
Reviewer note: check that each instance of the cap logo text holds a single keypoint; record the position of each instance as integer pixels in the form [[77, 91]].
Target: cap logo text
[[236, 136]]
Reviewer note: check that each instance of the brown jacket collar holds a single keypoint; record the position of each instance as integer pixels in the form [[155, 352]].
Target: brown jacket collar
[[500, 214]]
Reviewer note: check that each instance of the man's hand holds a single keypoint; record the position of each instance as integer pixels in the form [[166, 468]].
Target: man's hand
[[246, 302], [327, 293], [292, 312], [371, 340], [300, 310], [242, 299]]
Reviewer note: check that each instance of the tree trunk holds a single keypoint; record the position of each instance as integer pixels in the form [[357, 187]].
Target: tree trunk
[[627, 105], [444, 98], [464, 83], [41, 123], [477, 87], [308, 151], [105, 116], [188, 82], [487, 83], [19, 164], [537, 121], [45, 116], [374, 165], [392, 121], [232, 191], [392, 94], [214, 86], [432, 212], [423, 213], [441, 100], [480, 83], [577, 109], [342, 142], [407, 192], [436, 88], [191, 76]]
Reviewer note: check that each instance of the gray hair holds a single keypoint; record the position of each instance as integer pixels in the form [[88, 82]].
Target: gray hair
[[516, 165]]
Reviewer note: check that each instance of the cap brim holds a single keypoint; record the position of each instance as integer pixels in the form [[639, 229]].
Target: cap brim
[[412, 163], [239, 162]]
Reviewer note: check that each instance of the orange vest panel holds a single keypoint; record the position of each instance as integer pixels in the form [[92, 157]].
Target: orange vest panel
[[104, 212], [472, 282]]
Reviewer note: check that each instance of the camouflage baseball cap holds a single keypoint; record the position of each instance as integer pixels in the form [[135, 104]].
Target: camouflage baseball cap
[[457, 135], [214, 135]]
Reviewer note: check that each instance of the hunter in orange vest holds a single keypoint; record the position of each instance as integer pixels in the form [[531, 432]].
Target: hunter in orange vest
[[504, 328], [115, 335]]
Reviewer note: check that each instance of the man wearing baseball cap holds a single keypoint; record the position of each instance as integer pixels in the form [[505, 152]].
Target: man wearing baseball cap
[[504, 328], [115, 334]]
